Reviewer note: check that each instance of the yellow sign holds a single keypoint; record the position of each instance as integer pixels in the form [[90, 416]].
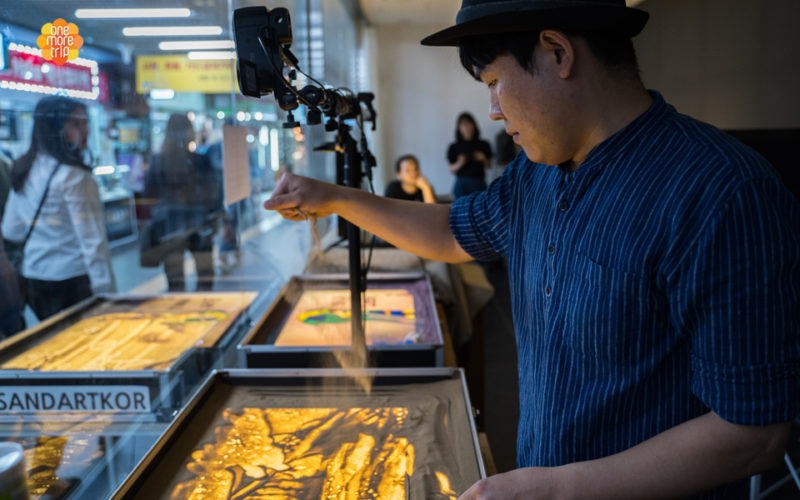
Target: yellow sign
[[59, 41], [181, 74]]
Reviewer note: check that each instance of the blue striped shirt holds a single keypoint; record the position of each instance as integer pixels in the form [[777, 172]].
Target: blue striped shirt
[[655, 282]]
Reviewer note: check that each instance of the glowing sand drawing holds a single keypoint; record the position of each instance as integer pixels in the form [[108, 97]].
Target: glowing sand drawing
[[324, 453], [152, 336], [322, 318]]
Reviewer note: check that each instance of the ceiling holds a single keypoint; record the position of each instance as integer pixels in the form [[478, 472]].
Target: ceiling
[[441, 12], [107, 33]]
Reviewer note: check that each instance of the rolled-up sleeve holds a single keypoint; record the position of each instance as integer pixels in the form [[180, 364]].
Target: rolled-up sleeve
[[480, 221], [739, 299]]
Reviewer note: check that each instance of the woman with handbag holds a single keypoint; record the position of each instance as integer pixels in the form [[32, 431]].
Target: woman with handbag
[[55, 212]]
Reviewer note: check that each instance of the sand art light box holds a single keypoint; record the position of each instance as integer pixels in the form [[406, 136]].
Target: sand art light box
[[133, 357], [308, 324], [317, 433]]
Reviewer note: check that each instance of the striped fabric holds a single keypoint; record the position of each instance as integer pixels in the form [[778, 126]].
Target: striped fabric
[[658, 281]]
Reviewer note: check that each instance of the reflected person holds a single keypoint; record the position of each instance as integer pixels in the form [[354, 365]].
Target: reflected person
[[66, 258], [187, 193]]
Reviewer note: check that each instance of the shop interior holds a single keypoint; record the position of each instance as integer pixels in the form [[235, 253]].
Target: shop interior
[[98, 424]]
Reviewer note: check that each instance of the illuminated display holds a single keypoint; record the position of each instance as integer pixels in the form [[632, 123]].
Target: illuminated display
[[322, 318], [151, 336], [326, 453], [26, 70]]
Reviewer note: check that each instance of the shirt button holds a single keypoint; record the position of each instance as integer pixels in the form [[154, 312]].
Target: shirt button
[[551, 249], [563, 205], [548, 291]]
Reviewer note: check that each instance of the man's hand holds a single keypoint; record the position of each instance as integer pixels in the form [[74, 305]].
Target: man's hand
[[296, 198], [692, 457], [420, 228], [530, 483]]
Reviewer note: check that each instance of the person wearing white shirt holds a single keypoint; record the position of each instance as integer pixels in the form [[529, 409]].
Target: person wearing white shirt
[[66, 258]]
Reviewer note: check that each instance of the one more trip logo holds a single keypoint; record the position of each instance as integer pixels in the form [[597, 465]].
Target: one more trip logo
[[59, 41]]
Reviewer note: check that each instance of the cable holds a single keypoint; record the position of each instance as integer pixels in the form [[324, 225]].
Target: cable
[[279, 71]]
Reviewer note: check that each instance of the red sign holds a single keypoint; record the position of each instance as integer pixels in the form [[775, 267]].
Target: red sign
[[29, 68]]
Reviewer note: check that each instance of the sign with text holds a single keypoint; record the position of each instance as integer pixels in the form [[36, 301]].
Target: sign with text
[[59, 41], [181, 74], [90, 398], [36, 70]]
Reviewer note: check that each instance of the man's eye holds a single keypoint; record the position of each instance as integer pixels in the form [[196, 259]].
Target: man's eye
[[491, 83]]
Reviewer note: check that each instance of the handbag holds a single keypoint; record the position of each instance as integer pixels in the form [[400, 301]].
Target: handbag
[[15, 250]]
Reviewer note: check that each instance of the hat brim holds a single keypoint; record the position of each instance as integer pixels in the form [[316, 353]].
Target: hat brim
[[622, 20]]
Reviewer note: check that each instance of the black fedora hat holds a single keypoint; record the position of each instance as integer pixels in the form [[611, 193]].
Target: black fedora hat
[[484, 17]]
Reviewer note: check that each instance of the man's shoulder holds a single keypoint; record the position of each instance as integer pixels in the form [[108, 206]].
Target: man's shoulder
[[705, 144]]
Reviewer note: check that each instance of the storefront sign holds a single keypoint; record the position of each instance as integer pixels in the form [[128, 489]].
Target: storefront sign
[[59, 41], [35, 70], [181, 74], [100, 398], [28, 71]]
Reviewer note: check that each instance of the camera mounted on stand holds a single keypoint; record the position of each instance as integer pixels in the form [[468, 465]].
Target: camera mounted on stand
[[265, 65]]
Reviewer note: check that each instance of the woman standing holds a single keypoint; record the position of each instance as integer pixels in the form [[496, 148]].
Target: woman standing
[[188, 203], [469, 157], [66, 257]]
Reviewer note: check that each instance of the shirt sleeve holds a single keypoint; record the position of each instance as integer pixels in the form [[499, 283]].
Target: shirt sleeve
[[452, 153], [737, 296], [481, 220], [487, 149], [391, 190], [82, 199]]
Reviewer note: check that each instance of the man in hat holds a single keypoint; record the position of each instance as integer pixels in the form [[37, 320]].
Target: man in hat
[[654, 263]]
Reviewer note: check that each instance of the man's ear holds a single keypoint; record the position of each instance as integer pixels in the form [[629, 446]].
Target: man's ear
[[559, 48]]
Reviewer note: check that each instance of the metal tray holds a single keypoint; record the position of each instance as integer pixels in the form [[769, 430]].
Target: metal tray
[[130, 394], [259, 350], [249, 431]]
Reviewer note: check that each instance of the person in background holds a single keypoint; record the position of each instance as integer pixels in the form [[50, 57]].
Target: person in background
[[188, 201], [469, 157], [6, 164], [410, 184], [66, 258], [11, 304]]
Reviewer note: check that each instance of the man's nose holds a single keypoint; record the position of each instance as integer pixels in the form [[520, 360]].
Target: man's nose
[[495, 113]]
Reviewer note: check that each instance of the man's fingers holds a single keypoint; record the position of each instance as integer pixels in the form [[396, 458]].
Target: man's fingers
[[291, 214], [281, 201]]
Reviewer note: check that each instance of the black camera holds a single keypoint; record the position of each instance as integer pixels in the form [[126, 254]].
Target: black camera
[[262, 40], [265, 65]]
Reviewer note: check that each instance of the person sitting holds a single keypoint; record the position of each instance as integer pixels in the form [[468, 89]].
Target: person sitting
[[410, 184]]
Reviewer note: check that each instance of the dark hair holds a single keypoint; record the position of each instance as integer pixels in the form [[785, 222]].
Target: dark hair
[[613, 50], [49, 116], [471, 119], [404, 158], [177, 136]]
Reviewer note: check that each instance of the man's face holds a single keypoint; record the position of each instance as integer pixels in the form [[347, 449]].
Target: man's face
[[531, 104], [409, 171]]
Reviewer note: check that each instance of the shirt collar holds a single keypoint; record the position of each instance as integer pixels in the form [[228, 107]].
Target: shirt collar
[[626, 138]]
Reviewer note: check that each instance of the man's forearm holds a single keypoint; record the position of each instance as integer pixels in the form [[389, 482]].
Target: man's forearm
[[692, 457], [420, 228]]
